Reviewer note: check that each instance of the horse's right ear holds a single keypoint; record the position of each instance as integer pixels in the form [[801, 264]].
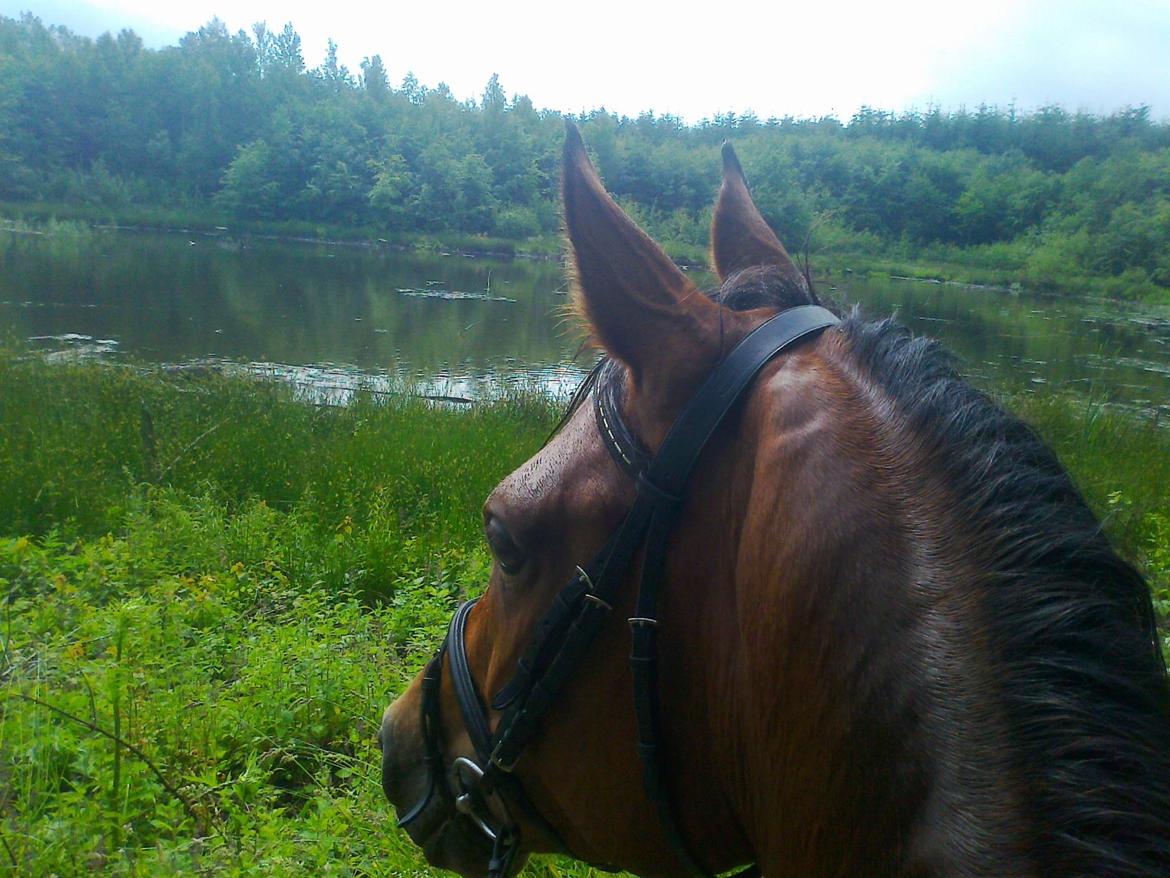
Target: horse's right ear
[[740, 238], [639, 304]]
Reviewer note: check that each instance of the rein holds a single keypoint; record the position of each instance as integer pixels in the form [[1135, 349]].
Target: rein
[[485, 787]]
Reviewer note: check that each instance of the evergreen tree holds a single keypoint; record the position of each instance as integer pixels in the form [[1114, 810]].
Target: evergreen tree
[[237, 123]]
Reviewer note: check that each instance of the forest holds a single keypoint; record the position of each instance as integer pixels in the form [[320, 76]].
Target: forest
[[236, 128]]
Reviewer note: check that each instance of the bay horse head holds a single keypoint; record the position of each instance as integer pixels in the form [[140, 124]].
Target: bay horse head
[[783, 589]]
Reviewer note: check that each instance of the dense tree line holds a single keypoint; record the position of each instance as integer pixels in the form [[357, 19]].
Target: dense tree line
[[237, 123]]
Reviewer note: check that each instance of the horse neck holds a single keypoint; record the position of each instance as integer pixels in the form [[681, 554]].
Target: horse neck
[[819, 729]]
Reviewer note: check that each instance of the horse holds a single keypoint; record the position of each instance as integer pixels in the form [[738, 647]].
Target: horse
[[890, 638]]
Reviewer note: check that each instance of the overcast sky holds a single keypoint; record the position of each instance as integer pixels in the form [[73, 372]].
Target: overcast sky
[[696, 59]]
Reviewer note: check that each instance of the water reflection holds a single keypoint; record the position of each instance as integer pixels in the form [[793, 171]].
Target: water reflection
[[333, 384], [1113, 351], [335, 320]]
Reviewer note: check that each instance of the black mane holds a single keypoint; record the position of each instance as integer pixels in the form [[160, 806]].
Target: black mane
[[1069, 624]]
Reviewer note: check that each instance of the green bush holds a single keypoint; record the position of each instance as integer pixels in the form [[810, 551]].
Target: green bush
[[198, 634]]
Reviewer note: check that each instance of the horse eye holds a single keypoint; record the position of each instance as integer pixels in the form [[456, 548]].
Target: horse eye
[[508, 554]]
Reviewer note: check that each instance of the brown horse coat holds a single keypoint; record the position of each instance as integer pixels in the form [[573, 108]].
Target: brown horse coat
[[893, 639]]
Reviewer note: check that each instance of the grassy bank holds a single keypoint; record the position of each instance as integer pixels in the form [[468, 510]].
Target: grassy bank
[[37, 217], [975, 267], [232, 584], [214, 588], [1023, 264]]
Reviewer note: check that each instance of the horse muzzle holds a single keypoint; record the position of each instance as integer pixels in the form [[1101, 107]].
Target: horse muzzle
[[404, 777], [450, 837]]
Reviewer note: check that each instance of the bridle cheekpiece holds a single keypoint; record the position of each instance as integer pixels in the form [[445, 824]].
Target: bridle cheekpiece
[[485, 788]]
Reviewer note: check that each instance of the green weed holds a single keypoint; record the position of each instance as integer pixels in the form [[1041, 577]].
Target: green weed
[[211, 589]]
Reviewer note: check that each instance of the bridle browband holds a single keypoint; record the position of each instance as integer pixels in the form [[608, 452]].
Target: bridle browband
[[485, 788]]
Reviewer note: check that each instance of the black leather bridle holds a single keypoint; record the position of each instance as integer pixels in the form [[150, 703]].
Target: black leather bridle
[[485, 789]]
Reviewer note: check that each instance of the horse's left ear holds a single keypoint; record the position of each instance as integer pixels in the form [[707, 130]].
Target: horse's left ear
[[639, 304], [740, 238]]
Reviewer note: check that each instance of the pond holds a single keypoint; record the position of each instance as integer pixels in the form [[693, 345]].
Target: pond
[[332, 318]]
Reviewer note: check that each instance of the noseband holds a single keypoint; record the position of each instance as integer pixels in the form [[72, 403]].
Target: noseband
[[484, 787]]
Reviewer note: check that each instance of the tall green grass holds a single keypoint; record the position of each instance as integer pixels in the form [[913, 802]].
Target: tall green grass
[[212, 588], [1120, 461], [83, 446], [211, 718], [1122, 465]]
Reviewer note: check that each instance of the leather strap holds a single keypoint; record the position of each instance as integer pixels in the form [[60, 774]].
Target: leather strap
[[663, 484], [567, 630], [623, 445], [432, 751], [672, 464], [470, 705], [475, 721]]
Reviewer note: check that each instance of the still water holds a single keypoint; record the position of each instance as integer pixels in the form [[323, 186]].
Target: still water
[[332, 318]]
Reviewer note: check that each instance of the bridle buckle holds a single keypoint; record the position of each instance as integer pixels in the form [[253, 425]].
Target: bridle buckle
[[591, 594], [477, 790], [506, 767], [598, 602], [468, 799]]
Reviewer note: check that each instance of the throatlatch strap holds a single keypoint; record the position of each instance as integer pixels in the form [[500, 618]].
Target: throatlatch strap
[[644, 670], [663, 485]]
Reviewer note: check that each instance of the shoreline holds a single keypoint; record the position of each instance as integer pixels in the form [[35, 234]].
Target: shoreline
[[978, 270]]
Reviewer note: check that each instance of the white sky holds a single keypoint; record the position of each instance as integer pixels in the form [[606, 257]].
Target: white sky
[[692, 59]]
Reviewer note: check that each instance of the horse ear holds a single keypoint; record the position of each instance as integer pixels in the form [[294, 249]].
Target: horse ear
[[641, 307], [740, 238]]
